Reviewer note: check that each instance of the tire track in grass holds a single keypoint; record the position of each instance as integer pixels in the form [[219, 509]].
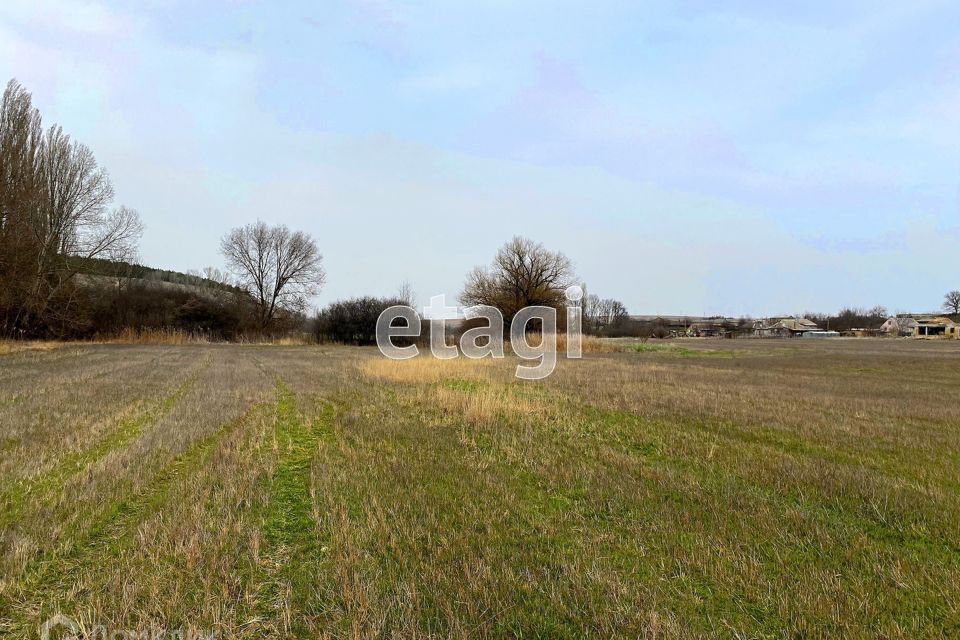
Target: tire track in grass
[[47, 578], [71, 372], [37, 489], [290, 532], [36, 394], [292, 535]]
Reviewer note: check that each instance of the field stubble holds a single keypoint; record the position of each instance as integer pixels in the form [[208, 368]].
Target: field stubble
[[768, 489]]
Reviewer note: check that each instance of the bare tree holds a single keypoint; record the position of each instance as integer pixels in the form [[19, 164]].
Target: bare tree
[[879, 312], [54, 207], [280, 268], [73, 219], [523, 273], [216, 275], [406, 295], [603, 313], [616, 312], [21, 140], [951, 302], [76, 195], [591, 313]]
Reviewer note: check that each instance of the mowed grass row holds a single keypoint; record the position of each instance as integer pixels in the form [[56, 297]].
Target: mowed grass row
[[311, 492]]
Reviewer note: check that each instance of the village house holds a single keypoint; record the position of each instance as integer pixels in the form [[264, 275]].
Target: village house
[[899, 326], [785, 327]]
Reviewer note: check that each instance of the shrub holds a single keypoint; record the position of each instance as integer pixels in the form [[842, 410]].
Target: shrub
[[352, 321]]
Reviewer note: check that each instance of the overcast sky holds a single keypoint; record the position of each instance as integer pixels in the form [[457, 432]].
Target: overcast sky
[[750, 159]]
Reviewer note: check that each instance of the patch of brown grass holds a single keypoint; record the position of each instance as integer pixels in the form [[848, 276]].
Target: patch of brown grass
[[426, 369], [156, 336], [482, 391], [295, 340], [589, 344], [13, 346]]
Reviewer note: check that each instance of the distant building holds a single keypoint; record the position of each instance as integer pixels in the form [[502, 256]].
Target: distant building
[[921, 327], [933, 327], [862, 332], [899, 326], [784, 327]]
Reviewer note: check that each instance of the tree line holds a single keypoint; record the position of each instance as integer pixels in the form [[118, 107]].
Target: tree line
[[523, 273]]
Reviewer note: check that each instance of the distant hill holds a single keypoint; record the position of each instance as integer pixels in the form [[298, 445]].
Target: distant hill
[[97, 268], [115, 296]]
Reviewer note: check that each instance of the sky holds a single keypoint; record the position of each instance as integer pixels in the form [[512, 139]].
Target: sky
[[690, 157]]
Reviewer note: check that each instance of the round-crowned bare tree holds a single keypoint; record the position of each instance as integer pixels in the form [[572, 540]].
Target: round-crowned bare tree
[[951, 301], [280, 268], [523, 273]]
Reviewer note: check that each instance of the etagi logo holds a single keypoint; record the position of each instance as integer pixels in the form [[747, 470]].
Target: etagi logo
[[61, 627], [485, 341]]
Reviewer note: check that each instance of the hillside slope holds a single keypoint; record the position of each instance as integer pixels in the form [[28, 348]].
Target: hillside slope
[[97, 268]]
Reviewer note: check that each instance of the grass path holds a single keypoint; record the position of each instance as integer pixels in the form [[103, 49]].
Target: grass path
[[294, 555]]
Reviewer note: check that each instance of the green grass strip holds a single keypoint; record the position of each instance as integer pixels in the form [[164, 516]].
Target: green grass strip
[[683, 352], [38, 488], [52, 575], [294, 546]]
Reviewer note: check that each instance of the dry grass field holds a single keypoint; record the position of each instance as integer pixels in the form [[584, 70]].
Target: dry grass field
[[700, 489]]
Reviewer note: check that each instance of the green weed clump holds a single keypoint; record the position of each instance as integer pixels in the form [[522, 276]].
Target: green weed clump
[[677, 350]]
